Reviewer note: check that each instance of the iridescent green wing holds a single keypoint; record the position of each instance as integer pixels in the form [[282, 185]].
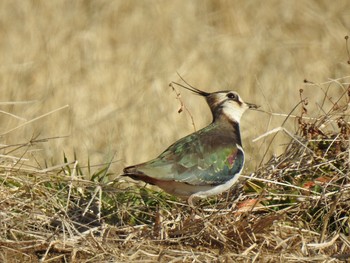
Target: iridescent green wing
[[207, 157]]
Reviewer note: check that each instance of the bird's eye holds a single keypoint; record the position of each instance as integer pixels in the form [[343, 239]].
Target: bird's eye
[[232, 96]]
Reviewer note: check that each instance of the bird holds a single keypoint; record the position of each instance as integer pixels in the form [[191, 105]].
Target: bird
[[206, 162]]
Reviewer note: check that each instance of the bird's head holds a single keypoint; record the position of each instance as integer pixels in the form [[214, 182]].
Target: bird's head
[[223, 103]]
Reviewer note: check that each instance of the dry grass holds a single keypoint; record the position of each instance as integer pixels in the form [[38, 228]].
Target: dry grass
[[111, 63], [294, 208]]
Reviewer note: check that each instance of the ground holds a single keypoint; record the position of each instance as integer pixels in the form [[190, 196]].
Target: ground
[[85, 92]]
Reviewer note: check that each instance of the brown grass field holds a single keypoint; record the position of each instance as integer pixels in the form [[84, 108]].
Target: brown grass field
[[85, 91]]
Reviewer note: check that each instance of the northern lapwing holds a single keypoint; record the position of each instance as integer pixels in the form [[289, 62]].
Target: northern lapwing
[[204, 163]]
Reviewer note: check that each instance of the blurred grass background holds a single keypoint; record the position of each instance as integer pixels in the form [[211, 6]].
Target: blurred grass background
[[112, 61]]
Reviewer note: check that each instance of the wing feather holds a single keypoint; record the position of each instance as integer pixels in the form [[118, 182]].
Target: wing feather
[[207, 157]]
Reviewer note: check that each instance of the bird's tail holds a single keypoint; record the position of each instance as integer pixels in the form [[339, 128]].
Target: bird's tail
[[130, 170], [135, 174]]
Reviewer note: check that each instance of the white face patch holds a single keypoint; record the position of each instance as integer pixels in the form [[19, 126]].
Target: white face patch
[[233, 110], [230, 103]]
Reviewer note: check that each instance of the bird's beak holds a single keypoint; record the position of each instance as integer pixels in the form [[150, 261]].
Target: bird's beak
[[252, 106], [193, 89]]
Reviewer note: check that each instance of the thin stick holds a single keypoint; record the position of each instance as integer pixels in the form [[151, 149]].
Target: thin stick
[[33, 120], [12, 115], [278, 183], [182, 105]]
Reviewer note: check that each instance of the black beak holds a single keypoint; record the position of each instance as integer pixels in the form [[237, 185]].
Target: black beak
[[193, 89], [252, 106]]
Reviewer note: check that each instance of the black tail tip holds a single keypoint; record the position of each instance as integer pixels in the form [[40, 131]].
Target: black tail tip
[[129, 170]]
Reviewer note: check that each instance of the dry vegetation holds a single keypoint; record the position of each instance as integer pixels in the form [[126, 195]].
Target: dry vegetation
[[111, 62], [294, 208]]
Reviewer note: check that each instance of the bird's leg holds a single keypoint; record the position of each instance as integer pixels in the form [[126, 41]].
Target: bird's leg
[[190, 202], [192, 207], [197, 213]]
